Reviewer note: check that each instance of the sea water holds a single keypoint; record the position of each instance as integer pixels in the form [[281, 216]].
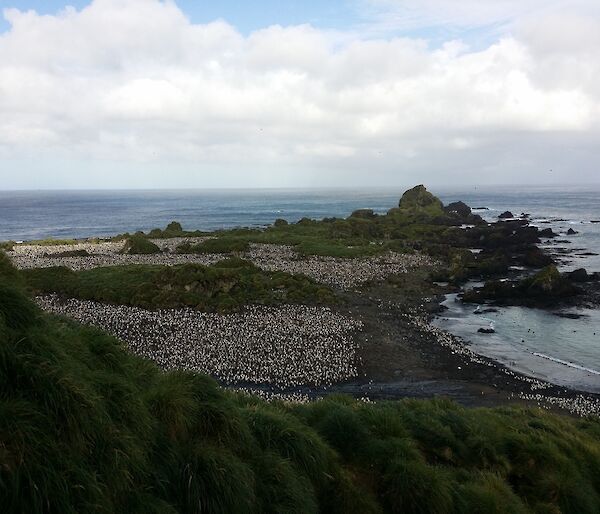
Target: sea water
[[530, 340], [538, 342]]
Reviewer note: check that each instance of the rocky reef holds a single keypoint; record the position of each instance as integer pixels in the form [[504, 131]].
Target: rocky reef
[[544, 289]]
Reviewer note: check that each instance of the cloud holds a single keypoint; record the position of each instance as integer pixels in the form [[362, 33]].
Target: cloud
[[134, 82]]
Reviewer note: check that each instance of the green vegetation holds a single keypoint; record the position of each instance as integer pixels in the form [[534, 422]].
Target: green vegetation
[[219, 245], [546, 280], [139, 244], [357, 236], [87, 427], [419, 223], [348, 238], [419, 200], [53, 242], [68, 253], [173, 229], [226, 285], [7, 245]]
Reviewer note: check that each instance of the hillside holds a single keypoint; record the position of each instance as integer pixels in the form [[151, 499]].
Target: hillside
[[87, 427]]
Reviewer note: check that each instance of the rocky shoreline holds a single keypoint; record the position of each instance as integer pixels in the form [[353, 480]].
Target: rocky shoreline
[[383, 345]]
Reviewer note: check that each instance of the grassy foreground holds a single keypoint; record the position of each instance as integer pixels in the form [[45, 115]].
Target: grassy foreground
[[87, 427]]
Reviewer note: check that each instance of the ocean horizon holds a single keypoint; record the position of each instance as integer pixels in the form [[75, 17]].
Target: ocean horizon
[[40, 214]]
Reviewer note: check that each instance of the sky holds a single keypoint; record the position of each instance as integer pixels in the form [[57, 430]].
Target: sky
[[348, 93]]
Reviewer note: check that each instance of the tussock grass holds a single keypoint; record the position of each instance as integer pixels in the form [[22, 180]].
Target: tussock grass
[[219, 245], [173, 229], [15, 309], [87, 427], [138, 244], [8, 274], [53, 242], [224, 286]]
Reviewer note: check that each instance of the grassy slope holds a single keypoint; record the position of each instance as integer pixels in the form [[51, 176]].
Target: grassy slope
[[226, 285], [351, 237], [86, 427]]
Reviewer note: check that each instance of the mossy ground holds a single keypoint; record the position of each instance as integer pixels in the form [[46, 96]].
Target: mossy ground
[[87, 427]]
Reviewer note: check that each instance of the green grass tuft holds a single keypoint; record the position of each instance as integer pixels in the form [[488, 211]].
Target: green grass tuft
[[16, 310], [139, 244], [219, 245], [227, 285]]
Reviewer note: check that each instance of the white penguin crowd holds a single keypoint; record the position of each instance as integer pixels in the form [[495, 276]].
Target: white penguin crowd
[[283, 346], [105, 254], [332, 271]]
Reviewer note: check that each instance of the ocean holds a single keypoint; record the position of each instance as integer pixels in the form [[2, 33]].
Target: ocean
[[532, 341]]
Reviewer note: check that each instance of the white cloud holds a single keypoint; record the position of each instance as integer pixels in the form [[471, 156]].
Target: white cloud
[[135, 82]]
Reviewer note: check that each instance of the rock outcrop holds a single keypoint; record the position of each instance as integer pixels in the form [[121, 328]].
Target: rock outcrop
[[544, 289], [364, 214], [421, 201], [460, 209]]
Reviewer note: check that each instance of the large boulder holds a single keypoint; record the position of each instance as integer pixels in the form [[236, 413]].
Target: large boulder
[[419, 200], [547, 232], [506, 215], [546, 281], [174, 227], [549, 283], [535, 257], [544, 289], [460, 209], [367, 214], [579, 275]]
